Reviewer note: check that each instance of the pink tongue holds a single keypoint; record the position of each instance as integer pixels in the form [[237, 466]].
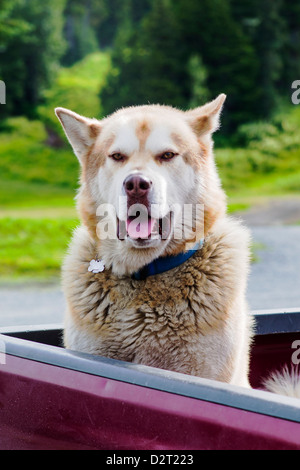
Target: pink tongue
[[137, 228]]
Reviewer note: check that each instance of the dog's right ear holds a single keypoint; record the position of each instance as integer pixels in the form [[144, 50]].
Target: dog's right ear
[[80, 131], [206, 119]]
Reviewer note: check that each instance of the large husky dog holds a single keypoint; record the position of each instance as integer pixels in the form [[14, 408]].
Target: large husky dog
[[144, 281]]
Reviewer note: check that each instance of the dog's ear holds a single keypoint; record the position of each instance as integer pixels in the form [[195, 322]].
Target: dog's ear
[[206, 119], [80, 131]]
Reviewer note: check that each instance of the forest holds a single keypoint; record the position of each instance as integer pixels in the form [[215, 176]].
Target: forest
[[179, 52], [95, 56]]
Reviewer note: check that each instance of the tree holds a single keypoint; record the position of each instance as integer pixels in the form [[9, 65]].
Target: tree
[[208, 28], [113, 13], [148, 62], [10, 26], [29, 56], [165, 72], [198, 74], [79, 30], [290, 13], [269, 46]]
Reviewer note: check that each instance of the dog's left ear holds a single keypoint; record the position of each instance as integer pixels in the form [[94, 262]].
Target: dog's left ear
[[206, 119], [80, 131]]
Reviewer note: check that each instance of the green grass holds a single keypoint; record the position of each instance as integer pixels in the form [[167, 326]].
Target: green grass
[[33, 248], [77, 88], [30, 171], [238, 206], [264, 160]]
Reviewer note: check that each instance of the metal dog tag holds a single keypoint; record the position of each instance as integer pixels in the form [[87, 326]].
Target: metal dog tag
[[96, 266]]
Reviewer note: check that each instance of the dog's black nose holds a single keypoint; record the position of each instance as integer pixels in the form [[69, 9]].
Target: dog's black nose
[[137, 185]]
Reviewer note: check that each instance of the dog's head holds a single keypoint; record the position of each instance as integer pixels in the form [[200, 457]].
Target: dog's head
[[148, 179]]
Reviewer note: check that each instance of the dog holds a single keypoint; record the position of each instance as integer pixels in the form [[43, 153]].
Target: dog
[[143, 281]]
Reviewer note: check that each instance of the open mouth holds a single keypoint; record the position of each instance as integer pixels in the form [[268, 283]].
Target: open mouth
[[144, 227]]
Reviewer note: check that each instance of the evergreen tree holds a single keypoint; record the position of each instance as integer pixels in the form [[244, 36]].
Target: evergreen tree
[[210, 30], [290, 12], [108, 17], [29, 58], [245, 13], [127, 63], [10, 26], [148, 62], [199, 93], [269, 47], [79, 29], [164, 72]]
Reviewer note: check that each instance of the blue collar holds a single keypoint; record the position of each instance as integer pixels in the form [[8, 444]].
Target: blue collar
[[165, 263]]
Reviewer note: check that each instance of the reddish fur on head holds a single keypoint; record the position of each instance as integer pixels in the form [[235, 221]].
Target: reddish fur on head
[[140, 130]]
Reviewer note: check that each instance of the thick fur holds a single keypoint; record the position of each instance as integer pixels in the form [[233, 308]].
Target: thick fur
[[192, 319], [285, 382]]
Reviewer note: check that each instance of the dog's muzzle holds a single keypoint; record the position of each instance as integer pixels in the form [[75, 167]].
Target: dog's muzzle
[[140, 225]]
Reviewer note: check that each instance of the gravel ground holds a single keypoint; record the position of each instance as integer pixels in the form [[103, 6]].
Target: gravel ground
[[277, 211], [274, 281], [31, 305]]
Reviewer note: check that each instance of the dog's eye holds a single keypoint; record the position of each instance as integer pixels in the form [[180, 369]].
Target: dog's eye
[[117, 156], [167, 156]]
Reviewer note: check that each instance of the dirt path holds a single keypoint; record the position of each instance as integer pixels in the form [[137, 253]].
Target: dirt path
[[274, 281], [275, 211], [27, 304]]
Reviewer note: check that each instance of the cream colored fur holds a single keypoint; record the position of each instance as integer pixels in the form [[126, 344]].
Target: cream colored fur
[[187, 319], [192, 319], [284, 382]]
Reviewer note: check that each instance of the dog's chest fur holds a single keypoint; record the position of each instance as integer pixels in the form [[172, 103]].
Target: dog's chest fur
[[172, 320]]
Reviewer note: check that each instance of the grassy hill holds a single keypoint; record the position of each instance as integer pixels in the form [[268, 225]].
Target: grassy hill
[[37, 166], [39, 176], [263, 160], [39, 173]]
